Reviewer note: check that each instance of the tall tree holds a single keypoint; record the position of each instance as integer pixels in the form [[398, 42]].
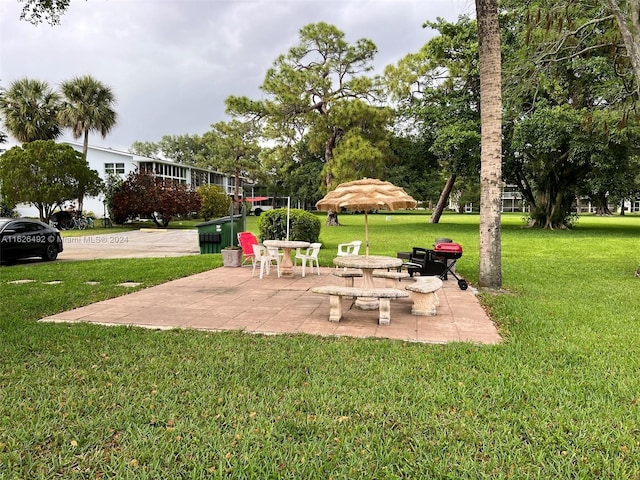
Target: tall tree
[[305, 85], [145, 149], [185, 149], [87, 107], [490, 270], [438, 94], [30, 109], [232, 148]]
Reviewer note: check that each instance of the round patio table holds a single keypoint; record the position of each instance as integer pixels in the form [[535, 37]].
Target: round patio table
[[286, 267], [367, 263]]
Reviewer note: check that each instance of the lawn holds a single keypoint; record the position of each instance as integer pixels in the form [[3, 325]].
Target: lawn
[[559, 398]]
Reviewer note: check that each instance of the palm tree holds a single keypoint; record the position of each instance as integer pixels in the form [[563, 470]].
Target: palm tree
[[30, 109], [87, 106], [490, 271]]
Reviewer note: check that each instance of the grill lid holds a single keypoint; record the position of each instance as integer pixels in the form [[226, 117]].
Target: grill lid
[[448, 248]]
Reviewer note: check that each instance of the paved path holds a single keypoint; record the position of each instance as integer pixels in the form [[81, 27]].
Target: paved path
[[233, 299], [133, 244]]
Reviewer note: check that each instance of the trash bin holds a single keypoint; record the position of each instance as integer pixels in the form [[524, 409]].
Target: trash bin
[[219, 233]]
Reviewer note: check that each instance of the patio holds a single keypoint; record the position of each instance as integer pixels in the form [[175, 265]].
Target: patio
[[233, 299]]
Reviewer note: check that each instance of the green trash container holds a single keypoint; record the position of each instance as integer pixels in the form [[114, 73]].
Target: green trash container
[[219, 233]]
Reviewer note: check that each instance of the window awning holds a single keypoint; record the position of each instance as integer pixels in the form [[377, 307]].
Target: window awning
[[256, 199]]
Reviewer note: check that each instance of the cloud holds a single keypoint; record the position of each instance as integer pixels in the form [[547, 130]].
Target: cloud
[[171, 64]]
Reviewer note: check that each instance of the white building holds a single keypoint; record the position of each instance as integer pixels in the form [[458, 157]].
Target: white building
[[108, 161]]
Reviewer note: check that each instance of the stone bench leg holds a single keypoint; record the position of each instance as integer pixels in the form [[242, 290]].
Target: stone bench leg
[[348, 282], [385, 311], [424, 303], [335, 308]]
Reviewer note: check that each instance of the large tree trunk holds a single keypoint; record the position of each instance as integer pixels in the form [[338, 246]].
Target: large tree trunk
[[444, 198], [332, 219], [552, 208], [602, 204], [490, 271]]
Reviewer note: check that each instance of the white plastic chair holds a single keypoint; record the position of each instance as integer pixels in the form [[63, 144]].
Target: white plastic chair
[[308, 255], [264, 257], [352, 248]]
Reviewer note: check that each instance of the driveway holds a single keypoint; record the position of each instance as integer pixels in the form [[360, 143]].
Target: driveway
[[134, 244]]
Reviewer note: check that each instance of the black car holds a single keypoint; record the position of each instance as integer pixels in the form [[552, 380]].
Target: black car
[[24, 238]]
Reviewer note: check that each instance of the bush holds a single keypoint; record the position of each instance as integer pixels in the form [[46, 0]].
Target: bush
[[8, 209], [143, 195], [215, 202], [303, 226]]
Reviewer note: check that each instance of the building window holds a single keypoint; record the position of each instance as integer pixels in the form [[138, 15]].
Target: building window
[[110, 168]]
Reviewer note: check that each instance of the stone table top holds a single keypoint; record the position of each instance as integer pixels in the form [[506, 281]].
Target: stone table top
[[369, 262]]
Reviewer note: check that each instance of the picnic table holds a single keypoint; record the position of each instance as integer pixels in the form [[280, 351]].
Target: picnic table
[[286, 267]]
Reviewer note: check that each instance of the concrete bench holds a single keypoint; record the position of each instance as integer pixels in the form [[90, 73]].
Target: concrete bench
[[384, 295], [392, 278], [348, 274], [424, 296]]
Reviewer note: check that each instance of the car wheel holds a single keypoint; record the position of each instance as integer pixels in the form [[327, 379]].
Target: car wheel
[[50, 253]]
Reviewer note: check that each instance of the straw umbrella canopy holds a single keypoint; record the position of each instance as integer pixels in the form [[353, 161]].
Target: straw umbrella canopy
[[366, 194]]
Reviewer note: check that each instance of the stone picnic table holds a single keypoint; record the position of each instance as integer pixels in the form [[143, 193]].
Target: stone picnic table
[[367, 263]]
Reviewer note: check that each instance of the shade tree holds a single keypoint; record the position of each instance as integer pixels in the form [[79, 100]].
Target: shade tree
[[305, 89], [45, 174], [567, 114], [437, 91]]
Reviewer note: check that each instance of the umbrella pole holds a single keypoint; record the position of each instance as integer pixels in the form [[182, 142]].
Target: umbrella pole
[[366, 232]]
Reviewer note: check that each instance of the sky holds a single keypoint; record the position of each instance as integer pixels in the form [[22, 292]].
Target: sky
[[172, 63]]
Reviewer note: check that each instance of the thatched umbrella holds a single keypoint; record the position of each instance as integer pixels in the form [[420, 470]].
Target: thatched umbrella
[[366, 194]]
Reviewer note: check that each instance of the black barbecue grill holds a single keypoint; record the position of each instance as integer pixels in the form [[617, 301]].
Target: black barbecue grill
[[440, 262]]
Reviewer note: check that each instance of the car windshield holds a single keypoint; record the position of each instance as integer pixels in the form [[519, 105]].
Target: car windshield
[[3, 222]]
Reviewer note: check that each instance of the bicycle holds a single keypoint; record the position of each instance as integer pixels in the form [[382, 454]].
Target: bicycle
[[80, 223]]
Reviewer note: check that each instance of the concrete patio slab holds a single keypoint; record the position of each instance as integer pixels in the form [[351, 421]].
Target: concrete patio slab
[[233, 299]]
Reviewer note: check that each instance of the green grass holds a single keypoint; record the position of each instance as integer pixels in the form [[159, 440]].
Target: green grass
[[559, 398]]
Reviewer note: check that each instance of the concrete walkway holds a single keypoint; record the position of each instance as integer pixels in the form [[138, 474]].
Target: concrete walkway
[[146, 242], [233, 299]]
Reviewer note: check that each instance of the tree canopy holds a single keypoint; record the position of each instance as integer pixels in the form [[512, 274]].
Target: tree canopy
[[30, 110], [438, 95], [232, 148], [45, 174], [144, 195], [308, 90], [567, 112]]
